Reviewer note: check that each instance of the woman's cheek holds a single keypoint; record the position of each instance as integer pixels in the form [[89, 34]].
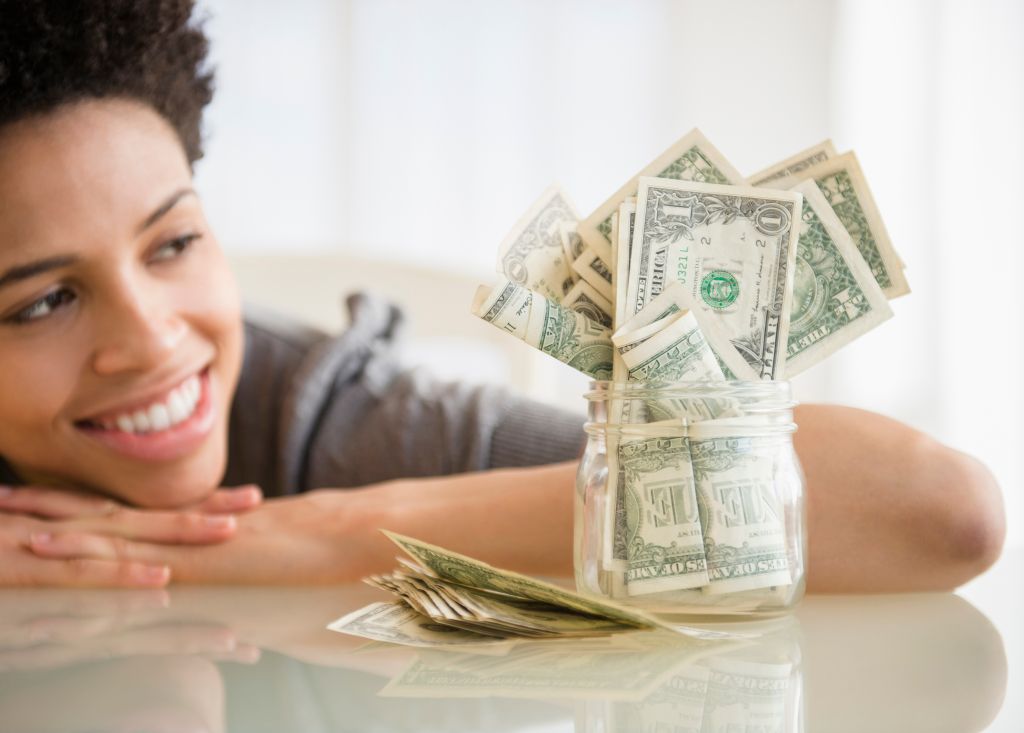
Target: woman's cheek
[[34, 388], [211, 294]]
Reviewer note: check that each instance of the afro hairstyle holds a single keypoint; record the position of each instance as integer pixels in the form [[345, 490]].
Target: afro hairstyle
[[57, 52]]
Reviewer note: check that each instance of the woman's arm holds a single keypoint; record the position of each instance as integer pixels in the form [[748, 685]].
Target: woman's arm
[[889, 509]]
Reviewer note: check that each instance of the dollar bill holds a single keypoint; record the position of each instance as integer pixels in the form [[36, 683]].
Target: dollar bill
[[733, 248], [624, 223], [678, 352], [741, 510], [572, 243], [843, 184], [566, 335], [672, 300], [691, 158], [531, 255], [584, 299], [640, 325], [835, 298], [782, 175], [662, 344], [593, 270], [398, 623], [664, 543], [629, 410], [626, 339]]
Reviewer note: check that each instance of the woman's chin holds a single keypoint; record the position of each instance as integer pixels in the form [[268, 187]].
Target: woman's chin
[[178, 489]]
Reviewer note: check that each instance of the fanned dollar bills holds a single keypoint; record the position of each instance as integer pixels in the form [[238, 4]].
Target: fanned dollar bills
[[690, 273], [794, 262], [450, 600]]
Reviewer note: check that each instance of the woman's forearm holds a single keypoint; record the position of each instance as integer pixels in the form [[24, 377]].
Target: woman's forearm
[[520, 519]]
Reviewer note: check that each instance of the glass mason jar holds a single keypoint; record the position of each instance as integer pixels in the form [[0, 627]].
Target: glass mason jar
[[690, 498]]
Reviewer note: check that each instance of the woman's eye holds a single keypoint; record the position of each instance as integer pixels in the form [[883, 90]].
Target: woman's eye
[[43, 307], [175, 247]]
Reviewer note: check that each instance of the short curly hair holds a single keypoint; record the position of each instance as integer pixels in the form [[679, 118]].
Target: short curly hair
[[56, 52]]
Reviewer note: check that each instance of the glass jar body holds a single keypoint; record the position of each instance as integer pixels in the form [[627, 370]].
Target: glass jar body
[[690, 498]]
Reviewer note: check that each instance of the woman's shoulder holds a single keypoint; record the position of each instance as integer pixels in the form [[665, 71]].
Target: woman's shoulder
[[289, 371], [274, 342]]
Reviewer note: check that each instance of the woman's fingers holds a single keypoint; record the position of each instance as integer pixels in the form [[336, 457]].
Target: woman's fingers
[[235, 499], [88, 572], [53, 503], [68, 545], [164, 527], [69, 504]]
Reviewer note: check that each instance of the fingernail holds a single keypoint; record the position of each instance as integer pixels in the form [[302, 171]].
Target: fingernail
[[6, 490], [40, 538], [242, 498], [253, 494], [152, 573], [226, 643], [219, 521]]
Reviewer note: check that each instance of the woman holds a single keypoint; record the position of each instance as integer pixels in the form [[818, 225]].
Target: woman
[[131, 387]]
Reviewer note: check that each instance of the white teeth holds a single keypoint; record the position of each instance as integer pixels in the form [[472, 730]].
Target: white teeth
[[141, 420], [159, 418], [179, 405]]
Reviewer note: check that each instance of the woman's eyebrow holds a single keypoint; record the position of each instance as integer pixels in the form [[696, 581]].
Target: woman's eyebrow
[[31, 269], [166, 206]]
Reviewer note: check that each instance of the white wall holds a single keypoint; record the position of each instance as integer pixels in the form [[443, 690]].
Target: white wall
[[419, 131]]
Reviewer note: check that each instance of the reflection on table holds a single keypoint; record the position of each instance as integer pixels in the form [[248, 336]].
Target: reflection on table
[[208, 659]]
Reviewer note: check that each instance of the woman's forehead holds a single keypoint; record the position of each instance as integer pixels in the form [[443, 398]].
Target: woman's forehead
[[94, 168]]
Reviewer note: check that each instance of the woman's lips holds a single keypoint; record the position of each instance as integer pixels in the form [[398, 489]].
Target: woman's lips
[[164, 445]]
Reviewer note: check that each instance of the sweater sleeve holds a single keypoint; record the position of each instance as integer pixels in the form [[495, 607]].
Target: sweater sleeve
[[389, 423]]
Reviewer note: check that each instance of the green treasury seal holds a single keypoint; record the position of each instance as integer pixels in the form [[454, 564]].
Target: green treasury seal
[[719, 289]]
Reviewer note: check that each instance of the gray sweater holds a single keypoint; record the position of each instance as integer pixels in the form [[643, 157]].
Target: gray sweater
[[314, 410]]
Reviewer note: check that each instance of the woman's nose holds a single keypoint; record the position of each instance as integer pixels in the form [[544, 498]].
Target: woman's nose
[[138, 337]]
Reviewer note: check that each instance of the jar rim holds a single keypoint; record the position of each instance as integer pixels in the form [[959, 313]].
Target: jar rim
[[776, 392], [684, 429]]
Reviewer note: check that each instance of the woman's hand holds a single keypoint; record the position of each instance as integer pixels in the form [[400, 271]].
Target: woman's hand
[[32, 517], [316, 537]]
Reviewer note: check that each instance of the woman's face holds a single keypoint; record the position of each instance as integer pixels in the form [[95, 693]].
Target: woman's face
[[120, 323]]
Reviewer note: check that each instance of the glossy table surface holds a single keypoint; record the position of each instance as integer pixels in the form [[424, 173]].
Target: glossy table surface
[[260, 659]]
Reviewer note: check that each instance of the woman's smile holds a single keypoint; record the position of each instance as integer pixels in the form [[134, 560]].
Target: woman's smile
[[167, 428]]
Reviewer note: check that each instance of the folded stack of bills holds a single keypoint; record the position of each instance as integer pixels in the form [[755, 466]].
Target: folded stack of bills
[[450, 600]]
